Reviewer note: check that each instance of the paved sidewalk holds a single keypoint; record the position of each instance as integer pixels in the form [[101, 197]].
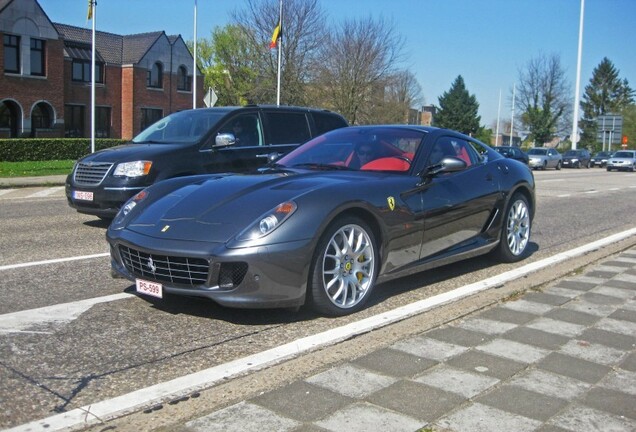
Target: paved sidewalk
[[563, 359]]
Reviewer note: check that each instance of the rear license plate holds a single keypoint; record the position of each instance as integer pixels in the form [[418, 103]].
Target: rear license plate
[[149, 288], [84, 196]]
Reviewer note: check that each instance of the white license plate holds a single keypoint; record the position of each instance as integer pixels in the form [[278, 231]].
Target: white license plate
[[149, 288], [84, 196]]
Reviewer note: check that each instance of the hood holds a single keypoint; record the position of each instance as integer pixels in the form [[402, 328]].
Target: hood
[[217, 208], [131, 152]]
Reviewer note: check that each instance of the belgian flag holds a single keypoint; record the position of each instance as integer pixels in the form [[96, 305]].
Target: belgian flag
[[278, 32]]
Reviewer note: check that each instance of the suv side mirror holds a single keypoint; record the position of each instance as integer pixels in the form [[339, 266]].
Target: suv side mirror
[[224, 140]]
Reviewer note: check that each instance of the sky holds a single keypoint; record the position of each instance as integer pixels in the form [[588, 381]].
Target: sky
[[487, 42]]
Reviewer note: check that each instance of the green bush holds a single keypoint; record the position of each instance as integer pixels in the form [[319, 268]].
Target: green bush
[[44, 149]]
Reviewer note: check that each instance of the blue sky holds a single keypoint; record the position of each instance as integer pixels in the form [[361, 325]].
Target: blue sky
[[485, 41]]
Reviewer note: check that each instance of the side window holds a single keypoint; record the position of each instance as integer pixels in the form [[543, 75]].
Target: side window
[[246, 128], [326, 122], [287, 127], [481, 152]]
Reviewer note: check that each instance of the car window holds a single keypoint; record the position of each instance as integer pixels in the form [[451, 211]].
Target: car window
[[537, 152], [287, 127], [182, 127], [246, 128], [325, 122]]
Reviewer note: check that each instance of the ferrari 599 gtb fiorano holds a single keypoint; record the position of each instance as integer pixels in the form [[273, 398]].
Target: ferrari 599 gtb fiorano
[[327, 222]]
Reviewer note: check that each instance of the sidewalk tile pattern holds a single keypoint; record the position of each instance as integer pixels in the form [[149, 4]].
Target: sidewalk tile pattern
[[559, 360]]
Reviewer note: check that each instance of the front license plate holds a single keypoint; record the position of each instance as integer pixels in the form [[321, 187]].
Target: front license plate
[[84, 196], [149, 288]]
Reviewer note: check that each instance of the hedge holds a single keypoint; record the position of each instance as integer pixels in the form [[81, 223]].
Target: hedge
[[42, 149]]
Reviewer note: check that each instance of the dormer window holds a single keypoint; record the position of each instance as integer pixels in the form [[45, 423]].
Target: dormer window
[[155, 74]]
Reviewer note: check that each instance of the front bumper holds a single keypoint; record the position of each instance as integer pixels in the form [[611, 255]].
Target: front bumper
[[271, 276], [620, 165], [536, 163], [106, 199]]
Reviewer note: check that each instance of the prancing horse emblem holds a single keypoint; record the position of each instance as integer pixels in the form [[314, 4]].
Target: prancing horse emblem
[[151, 265], [391, 202]]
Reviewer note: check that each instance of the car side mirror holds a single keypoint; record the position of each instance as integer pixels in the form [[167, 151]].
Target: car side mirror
[[224, 140], [446, 165]]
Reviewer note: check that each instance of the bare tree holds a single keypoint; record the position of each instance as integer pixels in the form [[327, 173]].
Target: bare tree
[[356, 65], [302, 33], [544, 98]]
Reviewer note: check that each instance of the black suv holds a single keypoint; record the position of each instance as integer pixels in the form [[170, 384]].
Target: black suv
[[207, 140], [576, 159]]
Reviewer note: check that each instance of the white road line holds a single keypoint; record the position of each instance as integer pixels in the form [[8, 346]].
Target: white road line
[[127, 403], [22, 321], [6, 191], [45, 192], [53, 261]]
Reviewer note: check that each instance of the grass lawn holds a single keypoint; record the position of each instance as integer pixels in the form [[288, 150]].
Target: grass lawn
[[35, 168]]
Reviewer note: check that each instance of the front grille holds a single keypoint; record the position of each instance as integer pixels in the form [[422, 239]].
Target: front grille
[[91, 174], [184, 271]]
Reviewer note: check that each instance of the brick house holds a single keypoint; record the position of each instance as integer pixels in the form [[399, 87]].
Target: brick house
[[45, 77]]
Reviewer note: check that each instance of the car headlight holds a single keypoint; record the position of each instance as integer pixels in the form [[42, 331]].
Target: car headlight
[[118, 221], [575, 160], [268, 222], [133, 169]]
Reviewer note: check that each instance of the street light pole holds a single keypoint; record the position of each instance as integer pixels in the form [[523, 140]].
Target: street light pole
[[575, 118]]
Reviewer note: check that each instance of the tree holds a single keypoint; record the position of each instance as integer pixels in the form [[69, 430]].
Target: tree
[[543, 95], [458, 109], [302, 34], [605, 94], [355, 68]]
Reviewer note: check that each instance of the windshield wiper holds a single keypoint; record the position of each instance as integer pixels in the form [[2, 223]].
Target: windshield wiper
[[322, 166], [149, 142]]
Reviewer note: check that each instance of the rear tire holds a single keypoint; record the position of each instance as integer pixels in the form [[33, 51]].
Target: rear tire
[[344, 268], [515, 230], [558, 165]]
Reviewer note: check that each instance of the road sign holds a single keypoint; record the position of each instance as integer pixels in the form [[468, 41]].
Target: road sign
[[609, 130], [210, 98]]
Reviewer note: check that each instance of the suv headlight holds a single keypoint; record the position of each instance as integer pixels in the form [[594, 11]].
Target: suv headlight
[[133, 169]]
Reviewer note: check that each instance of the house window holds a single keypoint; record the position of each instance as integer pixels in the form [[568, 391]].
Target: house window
[[149, 116], [102, 122], [82, 71], [154, 77], [73, 121], [184, 82], [38, 58], [41, 116], [11, 53]]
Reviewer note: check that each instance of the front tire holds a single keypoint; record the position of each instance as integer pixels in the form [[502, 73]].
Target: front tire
[[344, 268], [515, 230], [558, 165]]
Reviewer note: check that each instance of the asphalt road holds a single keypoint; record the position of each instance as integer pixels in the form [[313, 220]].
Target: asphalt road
[[77, 354]]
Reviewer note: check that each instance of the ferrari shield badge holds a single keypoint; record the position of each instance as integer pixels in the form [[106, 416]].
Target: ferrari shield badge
[[391, 202]]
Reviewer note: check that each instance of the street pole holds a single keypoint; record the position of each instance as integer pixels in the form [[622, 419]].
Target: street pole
[[575, 118]]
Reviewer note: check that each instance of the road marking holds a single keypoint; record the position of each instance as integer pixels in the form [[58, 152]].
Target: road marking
[[45, 192], [23, 321], [109, 409], [563, 196], [6, 191], [53, 261]]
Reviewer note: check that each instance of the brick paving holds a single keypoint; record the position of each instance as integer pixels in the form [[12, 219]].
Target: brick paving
[[563, 359]]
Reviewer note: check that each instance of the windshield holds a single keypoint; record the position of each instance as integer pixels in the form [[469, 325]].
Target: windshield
[[185, 127], [572, 153], [358, 148], [624, 154], [538, 152]]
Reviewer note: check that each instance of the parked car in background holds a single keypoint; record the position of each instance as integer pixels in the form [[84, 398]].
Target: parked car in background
[[191, 142], [512, 153], [578, 158], [542, 158], [328, 222], [622, 160], [600, 159]]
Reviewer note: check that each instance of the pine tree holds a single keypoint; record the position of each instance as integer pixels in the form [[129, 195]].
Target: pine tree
[[458, 109], [605, 94]]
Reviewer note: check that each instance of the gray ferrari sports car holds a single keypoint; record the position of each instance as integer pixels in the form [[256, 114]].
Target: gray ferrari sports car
[[326, 223]]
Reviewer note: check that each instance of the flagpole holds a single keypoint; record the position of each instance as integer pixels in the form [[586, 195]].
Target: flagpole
[[575, 118], [194, 63], [280, 45], [93, 16]]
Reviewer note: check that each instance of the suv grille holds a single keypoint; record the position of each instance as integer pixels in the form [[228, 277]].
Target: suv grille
[[91, 174], [175, 270]]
